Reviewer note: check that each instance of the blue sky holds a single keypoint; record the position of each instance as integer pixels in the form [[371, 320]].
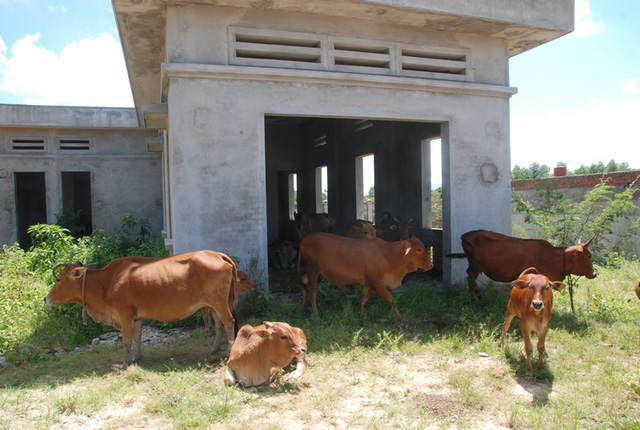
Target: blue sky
[[578, 97]]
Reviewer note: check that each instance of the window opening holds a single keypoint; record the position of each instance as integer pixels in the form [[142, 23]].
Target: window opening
[[76, 203]]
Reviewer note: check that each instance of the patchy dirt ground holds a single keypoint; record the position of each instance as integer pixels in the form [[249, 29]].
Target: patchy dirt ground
[[354, 390]]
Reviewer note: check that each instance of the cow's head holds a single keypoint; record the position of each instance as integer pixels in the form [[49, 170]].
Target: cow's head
[[579, 260], [245, 284], [539, 285], [361, 229], [68, 286], [282, 343], [417, 256]]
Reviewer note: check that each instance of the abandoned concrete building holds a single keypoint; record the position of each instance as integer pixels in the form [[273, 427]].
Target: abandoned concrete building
[[235, 97]]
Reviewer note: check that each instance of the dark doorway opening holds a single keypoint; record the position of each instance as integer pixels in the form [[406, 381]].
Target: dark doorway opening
[[76, 203], [400, 181], [31, 203]]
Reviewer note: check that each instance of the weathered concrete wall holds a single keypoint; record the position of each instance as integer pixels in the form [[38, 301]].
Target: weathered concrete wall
[[124, 177], [574, 188]]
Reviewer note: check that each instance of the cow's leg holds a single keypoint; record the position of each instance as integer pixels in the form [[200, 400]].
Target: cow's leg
[[366, 294], [206, 318], [137, 337], [528, 348], [473, 273], [542, 354], [508, 317], [387, 297], [127, 329], [230, 377], [312, 287], [228, 322], [219, 328]]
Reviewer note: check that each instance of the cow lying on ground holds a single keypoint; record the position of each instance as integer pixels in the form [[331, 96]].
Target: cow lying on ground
[[313, 223], [375, 264], [209, 317], [502, 258], [165, 289], [361, 229], [531, 300], [393, 229], [260, 352]]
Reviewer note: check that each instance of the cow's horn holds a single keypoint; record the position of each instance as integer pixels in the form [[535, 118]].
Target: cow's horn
[[588, 242], [53, 270]]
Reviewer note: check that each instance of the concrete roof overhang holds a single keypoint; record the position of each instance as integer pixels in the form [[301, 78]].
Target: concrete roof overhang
[[523, 25]]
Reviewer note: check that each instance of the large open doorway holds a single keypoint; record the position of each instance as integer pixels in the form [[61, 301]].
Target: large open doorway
[[370, 166], [31, 203]]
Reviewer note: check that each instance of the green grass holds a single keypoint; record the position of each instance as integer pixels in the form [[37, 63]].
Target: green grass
[[440, 368]]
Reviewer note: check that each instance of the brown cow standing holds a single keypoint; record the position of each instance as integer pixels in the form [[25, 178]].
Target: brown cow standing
[[393, 229], [531, 300], [165, 289], [375, 264], [502, 258], [260, 352], [361, 229], [209, 317]]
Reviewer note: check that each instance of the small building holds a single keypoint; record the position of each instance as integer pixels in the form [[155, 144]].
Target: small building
[[245, 96]]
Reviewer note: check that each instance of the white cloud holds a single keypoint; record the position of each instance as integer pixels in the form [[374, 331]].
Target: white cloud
[[584, 23], [631, 87], [598, 131], [90, 72]]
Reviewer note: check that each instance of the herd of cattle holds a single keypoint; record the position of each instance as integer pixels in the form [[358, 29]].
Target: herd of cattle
[[170, 289]]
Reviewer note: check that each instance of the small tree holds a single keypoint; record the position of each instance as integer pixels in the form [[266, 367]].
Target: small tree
[[562, 221]]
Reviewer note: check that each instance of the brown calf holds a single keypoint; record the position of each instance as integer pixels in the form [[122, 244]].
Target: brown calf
[[260, 352], [531, 300]]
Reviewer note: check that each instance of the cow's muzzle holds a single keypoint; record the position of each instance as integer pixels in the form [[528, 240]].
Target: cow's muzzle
[[537, 305]]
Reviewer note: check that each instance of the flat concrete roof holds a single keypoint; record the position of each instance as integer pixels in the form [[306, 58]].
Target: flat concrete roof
[[65, 116], [523, 25]]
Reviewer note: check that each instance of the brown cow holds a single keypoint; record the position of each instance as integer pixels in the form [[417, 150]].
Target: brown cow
[[502, 258], [361, 229], [375, 264], [531, 300], [638, 289], [260, 352], [313, 223], [165, 289], [393, 229], [244, 284], [282, 254]]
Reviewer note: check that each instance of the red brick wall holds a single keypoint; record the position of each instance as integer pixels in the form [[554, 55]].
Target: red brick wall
[[579, 181]]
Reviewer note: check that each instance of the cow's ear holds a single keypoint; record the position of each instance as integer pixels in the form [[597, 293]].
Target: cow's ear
[[268, 324], [520, 284], [77, 272], [557, 285]]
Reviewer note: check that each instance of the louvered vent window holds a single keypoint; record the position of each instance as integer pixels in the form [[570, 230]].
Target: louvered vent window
[[361, 57], [28, 144], [433, 61], [74, 144], [276, 48]]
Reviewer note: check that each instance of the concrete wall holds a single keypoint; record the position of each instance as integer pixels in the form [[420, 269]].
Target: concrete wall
[[125, 178], [574, 188]]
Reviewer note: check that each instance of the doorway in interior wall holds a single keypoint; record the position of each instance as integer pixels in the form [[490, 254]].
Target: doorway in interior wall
[[31, 204]]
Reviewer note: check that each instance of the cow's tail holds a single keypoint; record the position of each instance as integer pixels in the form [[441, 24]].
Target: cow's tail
[[233, 294]]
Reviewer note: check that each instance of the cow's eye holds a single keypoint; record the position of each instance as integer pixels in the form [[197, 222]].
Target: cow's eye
[[283, 337]]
